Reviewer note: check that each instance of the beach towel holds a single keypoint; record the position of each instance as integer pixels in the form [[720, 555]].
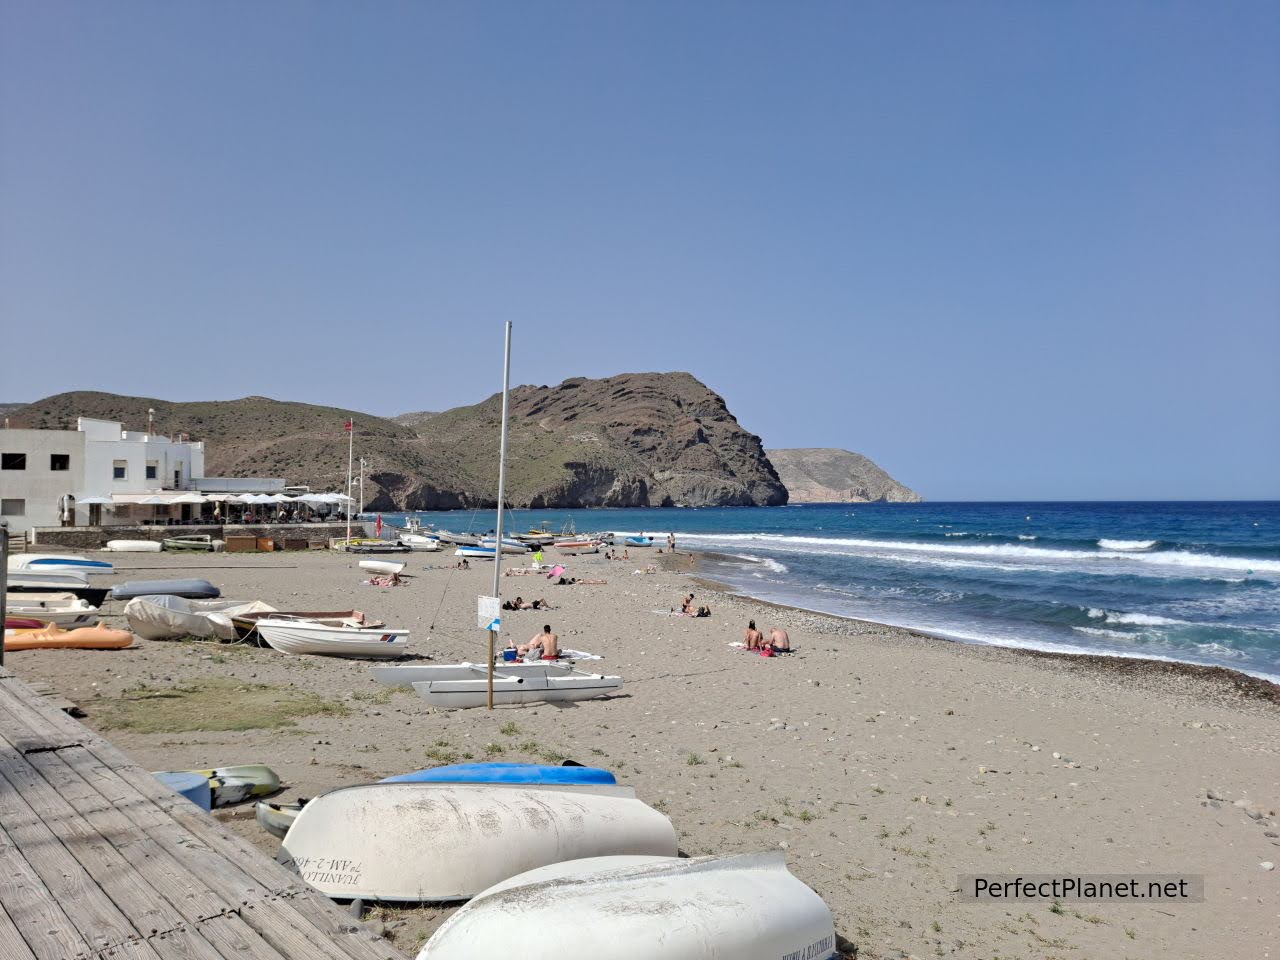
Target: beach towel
[[556, 571]]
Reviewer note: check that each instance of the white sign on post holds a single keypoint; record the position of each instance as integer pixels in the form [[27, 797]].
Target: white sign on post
[[488, 613]]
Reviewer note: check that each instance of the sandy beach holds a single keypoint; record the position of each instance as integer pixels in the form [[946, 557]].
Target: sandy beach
[[885, 764]]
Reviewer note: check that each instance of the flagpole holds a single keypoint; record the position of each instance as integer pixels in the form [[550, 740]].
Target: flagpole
[[502, 483], [351, 434]]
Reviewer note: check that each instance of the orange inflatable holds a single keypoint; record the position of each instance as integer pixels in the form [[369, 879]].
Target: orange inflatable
[[81, 638]]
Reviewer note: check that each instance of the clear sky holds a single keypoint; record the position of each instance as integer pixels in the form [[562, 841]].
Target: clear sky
[[1008, 250]]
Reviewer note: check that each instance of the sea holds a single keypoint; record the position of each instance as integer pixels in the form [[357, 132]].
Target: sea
[[1191, 582]]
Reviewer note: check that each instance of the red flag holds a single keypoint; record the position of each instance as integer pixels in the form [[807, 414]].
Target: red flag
[[348, 426]]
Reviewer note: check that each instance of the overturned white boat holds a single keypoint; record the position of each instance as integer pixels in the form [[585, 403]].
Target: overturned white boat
[[169, 617], [434, 842], [532, 683], [743, 907], [388, 568], [134, 546], [63, 609], [333, 638], [420, 543], [58, 563]]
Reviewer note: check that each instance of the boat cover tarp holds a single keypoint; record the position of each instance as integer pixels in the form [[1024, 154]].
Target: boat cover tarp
[[167, 617]]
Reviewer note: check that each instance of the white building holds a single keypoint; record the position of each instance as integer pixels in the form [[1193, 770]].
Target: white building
[[41, 470]]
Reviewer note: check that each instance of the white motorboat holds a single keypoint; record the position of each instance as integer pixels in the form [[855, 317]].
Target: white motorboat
[[741, 907], [386, 567], [163, 617], [57, 563], [513, 687], [577, 545], [407, 674], [458, 539], [63, 609], [474, 553], [335, 638], [70, 581], [434, 842], [134, 546]]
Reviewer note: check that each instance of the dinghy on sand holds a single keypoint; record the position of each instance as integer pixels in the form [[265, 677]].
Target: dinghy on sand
[[742, 907], [436, 842], [168, 617], [331, 638], [230, 785], [63, 609], [58, 563], [385, 567], [70, 581], [134, 546], [193, 589], [81, 638]]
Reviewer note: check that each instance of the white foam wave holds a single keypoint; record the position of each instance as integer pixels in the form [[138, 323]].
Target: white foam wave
[[1126, 544], [1026, 536], [1145, 620], [1147, 562], [766, 562]]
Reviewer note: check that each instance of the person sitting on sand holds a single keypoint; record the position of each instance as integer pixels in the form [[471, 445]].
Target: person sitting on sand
[[779, 641], [686, 608], [545, 645], [751, 637], [703, 612]]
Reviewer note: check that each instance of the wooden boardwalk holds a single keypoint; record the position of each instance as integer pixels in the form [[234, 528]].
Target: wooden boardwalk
[[99, 860]]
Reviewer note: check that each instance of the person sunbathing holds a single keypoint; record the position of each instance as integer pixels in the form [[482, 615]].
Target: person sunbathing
[[751, 637], [779, 641]]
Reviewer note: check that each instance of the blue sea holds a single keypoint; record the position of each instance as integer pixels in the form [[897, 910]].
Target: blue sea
[[1193, 582]]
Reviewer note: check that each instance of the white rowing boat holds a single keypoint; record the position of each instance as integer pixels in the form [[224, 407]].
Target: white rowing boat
[[743, 907], [435, 842], [63, 609], [334, 638], [420, 542], [513, 687]]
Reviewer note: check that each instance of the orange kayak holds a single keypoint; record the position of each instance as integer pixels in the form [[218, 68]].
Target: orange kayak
[[81, 638]]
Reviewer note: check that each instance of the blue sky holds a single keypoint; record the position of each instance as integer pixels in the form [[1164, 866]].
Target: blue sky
[[1008, 250]]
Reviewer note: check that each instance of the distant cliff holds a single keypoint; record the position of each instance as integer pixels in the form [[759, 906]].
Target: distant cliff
[[634, 440], [827, 475]]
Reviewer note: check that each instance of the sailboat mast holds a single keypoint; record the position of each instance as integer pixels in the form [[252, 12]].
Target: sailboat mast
[[351, 434], [502, 489]]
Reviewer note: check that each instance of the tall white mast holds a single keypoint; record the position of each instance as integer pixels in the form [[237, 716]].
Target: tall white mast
[[351, 435], [502, 486]]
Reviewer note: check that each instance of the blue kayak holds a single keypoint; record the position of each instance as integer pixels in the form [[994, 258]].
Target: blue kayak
[[504, 773]]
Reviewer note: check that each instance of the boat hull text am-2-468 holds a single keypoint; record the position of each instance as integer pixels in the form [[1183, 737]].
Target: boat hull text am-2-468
[[439, 842], [742, 907]]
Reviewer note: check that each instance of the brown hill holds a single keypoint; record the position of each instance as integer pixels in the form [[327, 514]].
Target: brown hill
[[631, 440], [826, 475]]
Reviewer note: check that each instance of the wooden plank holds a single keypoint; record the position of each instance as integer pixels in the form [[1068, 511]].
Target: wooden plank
[[99, 921], [48, 932], [193, 899], [287, 928], [145, 909], [184, 944], [12, 946], [129, 950], [235, 938]]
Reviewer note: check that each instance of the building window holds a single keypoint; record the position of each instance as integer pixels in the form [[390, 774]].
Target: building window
[[120, 470], [151, 469], [59, 461], [13, 508], [13, 461]]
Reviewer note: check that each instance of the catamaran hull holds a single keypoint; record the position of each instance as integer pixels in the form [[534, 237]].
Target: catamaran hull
[[405, 675], [744, 907], [512, 689], [438, 842]]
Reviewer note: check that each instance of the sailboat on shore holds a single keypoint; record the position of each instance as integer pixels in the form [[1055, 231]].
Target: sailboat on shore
[[468, 685]]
